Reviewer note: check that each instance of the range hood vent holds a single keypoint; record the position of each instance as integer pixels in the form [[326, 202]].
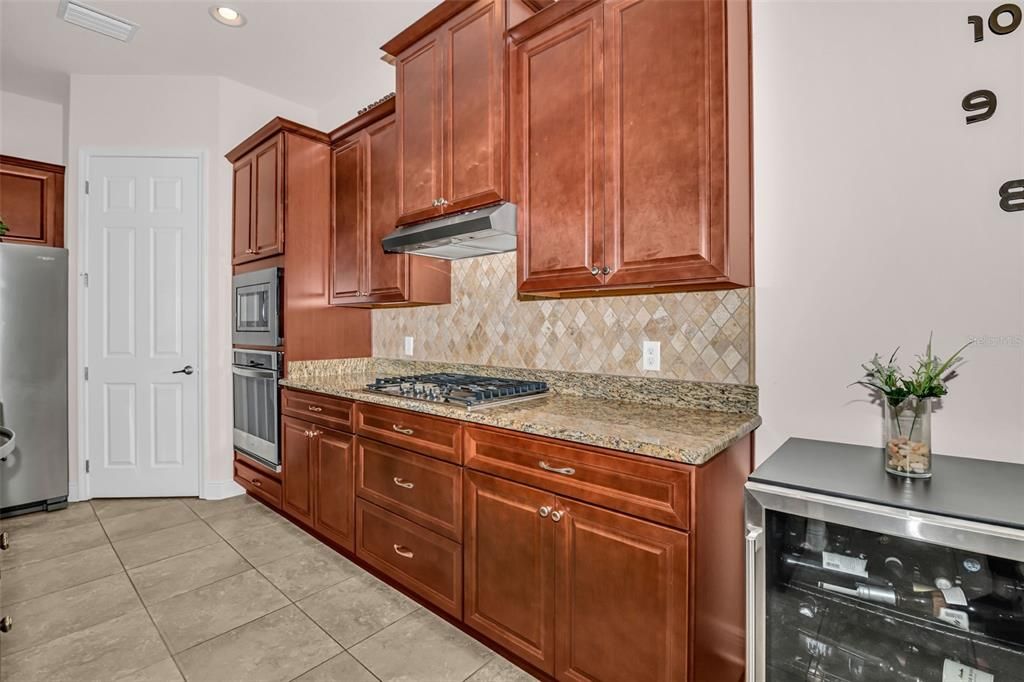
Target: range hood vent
[[93, 19], [473, 233]]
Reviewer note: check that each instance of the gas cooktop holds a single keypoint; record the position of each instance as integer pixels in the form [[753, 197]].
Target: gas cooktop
[[473, 392]]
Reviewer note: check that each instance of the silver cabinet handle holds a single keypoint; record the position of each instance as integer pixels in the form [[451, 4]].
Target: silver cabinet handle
[[401, 483], [753, 541], [544, 511], [5, 540], [6, 623], [606, 270], [565, 471], [187, 369], [595, 271], [314, 408], [403, 551], [400, 429], [556, 516]]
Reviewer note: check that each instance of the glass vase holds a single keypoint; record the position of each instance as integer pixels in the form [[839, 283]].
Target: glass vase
[[908, 438]]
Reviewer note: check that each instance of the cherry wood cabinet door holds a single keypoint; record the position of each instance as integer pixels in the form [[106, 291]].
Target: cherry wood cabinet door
[[622, 597], [420, 121], [474, 112], [556, 143], [268, 189], [242, 218], [32, 201], [665, 129], [335, 492], [348, 222], [298, 468], [509, 566], [387, 275]]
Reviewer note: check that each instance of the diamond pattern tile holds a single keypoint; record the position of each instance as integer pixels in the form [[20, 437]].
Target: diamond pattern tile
[[705, 336]]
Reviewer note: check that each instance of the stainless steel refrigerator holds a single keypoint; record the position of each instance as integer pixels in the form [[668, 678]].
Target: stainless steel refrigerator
[[34, 377]]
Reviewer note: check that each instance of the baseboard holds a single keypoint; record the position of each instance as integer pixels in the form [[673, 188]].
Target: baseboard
[[73, 492], [219, 490]]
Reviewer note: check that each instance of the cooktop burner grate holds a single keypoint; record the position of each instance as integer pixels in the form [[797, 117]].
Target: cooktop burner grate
[[459, 389]]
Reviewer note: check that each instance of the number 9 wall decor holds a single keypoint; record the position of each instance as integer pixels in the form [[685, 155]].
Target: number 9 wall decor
[[981, 104]]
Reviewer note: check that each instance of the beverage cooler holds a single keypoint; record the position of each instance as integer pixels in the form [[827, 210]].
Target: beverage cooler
[[855, 575]]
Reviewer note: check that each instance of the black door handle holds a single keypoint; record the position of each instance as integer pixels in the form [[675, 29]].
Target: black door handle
[[187, 369]]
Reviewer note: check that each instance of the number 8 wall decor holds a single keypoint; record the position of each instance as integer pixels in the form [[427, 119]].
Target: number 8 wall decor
[[981, 104]]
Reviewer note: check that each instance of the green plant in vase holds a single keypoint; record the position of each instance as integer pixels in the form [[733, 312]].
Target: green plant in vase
[[3, 228], [907, 400]]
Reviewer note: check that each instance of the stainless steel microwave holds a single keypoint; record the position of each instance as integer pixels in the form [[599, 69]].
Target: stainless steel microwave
[[256, 308]]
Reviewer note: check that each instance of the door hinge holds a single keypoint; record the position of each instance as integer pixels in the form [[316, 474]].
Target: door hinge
[[85, 279], [86, 186], [86, 373], [86, 466]]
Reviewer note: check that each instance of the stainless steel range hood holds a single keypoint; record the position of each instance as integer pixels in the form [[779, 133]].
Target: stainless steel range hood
[[473, 233]]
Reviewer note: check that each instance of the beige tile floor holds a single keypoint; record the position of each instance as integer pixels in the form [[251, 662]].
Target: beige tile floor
[[171, 589]]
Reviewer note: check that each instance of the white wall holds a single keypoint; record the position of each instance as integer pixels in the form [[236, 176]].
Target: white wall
[[188, 113], [877, 219], [31, 128]]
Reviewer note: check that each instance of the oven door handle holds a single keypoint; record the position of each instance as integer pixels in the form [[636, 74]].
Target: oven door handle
[[256, 373]]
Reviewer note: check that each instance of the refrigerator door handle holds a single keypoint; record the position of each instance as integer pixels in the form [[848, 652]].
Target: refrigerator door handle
[[755, 543]]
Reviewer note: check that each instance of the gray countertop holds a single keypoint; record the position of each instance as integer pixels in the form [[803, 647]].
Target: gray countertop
[[971, 489], [668, 432]]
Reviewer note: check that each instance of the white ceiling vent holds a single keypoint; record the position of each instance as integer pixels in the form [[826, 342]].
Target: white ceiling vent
[[80, 14]]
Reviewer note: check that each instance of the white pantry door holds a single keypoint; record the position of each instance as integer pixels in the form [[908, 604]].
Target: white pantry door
[[143, 326]]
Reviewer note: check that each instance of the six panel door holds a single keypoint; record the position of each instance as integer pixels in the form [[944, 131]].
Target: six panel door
[[419, 119], [348, 224], [241, 250], [474, 113], [622, 590], [268, 188], [335, 494], [509, 566], [557, 142], [664, 132], [298, 468]]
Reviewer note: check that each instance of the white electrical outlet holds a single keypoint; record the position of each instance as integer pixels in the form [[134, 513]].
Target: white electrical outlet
[[652, 355], [408, 345]]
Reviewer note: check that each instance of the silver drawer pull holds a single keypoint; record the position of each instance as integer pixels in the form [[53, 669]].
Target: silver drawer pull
[[565, 471], [544, 511], [400, 429], [314, 408], [403, 551], [402, 483]]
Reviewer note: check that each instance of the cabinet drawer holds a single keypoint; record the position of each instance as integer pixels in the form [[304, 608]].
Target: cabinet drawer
[[419, 559], [657, 492], [419, 488], [420, 433], [258, 483], [333, 413]]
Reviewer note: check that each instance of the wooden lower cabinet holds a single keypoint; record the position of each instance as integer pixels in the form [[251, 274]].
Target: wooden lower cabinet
[[335, 479], [580, 592], [510, 566], [621, 593], [317, 478]]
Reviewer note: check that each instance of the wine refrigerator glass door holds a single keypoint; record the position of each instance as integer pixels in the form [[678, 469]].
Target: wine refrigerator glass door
[[842, 591]]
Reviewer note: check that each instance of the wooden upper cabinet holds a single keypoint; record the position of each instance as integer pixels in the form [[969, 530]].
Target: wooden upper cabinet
[[474, 118], [451, 91], [556, 132], [32, 201], [260, 188], [672, 156], [364, 179], [419, 73], [608, 563]]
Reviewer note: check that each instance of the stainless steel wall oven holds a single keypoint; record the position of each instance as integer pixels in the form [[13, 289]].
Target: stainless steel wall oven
[[256, 394]]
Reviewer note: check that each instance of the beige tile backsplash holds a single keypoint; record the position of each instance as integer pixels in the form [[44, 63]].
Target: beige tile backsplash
[[705, 336]]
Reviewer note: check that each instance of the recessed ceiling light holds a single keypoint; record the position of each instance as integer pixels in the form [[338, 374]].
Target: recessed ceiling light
[[229, 16]]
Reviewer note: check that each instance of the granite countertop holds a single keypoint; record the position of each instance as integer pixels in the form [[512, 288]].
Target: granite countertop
[[670, 432]]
